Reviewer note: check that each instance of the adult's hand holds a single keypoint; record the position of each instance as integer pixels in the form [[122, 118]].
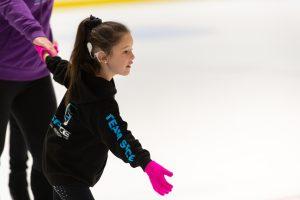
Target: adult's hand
[[45, 43]]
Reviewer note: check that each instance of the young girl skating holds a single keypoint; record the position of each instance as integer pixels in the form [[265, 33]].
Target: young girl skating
[[87, 123]]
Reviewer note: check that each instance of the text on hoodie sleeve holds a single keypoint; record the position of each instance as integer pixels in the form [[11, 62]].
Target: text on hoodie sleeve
[[119, 139]]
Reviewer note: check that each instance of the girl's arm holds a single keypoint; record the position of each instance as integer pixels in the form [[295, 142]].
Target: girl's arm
[[58, 67], [114, 133]]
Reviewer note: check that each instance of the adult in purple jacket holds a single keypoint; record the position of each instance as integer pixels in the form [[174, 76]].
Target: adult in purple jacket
[[25, 86]]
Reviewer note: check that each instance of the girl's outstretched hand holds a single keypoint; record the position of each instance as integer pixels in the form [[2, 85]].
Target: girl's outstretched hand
[[156, 175]]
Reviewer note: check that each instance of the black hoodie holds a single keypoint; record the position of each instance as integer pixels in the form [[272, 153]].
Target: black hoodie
[[81, 133]]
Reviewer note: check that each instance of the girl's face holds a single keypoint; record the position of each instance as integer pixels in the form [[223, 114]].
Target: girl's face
[[121, 57]]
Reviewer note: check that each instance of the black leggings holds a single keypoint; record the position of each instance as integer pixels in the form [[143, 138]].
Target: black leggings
[[72, 193], [31, 104], [18, 185]]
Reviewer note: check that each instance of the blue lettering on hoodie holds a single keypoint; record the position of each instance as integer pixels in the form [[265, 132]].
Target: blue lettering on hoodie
[[115, 128]]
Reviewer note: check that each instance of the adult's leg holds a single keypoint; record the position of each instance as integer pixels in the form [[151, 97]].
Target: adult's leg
[[4, 110], [7, 91], [33, 110], [73, 193], [17, 183]]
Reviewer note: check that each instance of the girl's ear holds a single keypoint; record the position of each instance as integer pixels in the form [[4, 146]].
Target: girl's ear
[[102, 57]]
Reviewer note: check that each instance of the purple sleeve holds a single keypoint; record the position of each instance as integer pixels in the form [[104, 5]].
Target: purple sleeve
[[17, 13]]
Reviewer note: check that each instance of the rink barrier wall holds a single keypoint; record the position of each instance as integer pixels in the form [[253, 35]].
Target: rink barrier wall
[[82, 3]]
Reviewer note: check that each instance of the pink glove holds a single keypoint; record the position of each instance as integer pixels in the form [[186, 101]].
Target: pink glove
[[156, 175], [41, 51]]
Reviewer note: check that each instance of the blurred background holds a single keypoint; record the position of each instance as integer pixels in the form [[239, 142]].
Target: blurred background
[[213, 94]]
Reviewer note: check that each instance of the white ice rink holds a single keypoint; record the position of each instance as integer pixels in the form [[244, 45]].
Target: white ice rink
[[214, 94]]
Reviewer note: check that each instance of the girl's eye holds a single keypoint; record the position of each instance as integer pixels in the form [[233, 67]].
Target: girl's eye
[[127, 51]]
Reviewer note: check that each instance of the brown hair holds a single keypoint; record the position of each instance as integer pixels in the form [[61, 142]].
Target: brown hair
[[101, 36]]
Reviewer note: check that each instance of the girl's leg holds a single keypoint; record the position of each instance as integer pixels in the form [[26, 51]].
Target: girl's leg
[[73, 193], [55, 196], [18, 186]]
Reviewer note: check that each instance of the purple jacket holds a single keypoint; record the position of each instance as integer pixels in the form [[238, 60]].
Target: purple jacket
[[20, 22]]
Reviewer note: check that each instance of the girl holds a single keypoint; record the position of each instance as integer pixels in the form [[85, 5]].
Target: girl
[[87, 123]]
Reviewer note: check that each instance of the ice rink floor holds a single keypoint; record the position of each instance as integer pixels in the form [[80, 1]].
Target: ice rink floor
[[214, 94]]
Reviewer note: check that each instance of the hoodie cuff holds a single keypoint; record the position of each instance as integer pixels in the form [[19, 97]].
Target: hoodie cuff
[[37, 34], [49, 62], [145, 162]]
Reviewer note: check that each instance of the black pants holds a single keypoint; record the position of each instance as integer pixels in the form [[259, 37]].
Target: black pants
[[72, 193], [18, 185], [31, 104]]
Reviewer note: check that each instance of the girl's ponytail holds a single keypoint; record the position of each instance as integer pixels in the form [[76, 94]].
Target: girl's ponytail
[[80, 57]]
